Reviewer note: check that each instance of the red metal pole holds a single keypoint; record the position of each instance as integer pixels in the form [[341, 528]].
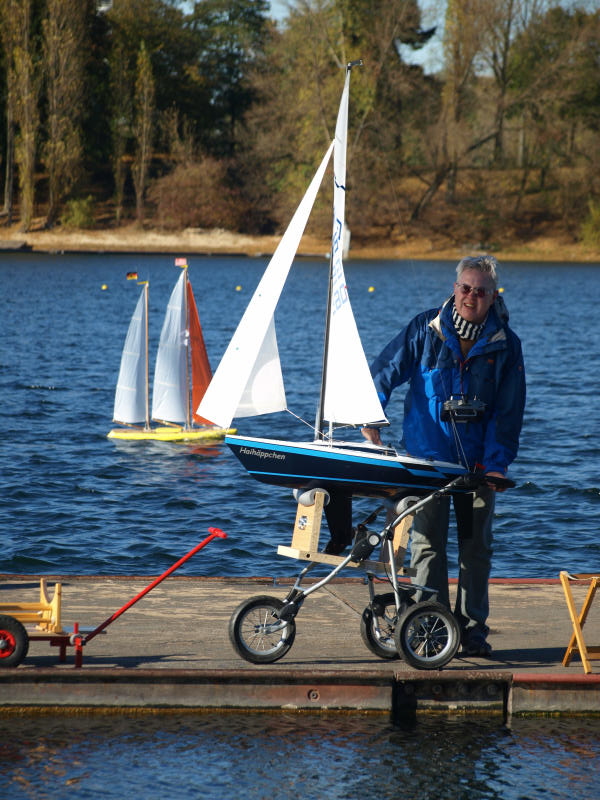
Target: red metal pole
[[214, 533], [76, 638]]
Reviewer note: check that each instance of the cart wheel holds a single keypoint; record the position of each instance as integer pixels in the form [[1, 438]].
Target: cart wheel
[[427, 635], [14, 642], [257, 634], [378, 622]]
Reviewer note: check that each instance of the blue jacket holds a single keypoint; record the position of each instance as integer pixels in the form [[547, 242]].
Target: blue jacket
[[427, 354]]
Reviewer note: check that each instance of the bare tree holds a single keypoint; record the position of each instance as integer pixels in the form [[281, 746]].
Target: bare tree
[[457, 135], [177, 137], [462, 44], [505, 20], [143, 128], [64, 28]]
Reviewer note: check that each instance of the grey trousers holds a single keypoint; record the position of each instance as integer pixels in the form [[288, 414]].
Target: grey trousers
[[428, 557]]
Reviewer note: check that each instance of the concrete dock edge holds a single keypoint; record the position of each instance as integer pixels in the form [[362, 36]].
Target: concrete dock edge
[[397, 694], [172, 651]]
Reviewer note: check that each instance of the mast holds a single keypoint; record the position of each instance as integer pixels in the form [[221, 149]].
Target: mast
[[188, 346], [319, 422], [147, 364], [188, 357], [339, 225]]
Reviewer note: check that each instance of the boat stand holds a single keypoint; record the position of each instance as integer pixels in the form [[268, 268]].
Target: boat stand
[[307, 530], [394, 624]]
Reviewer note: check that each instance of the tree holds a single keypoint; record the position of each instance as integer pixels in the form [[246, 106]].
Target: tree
[[26, 81], [299, 87], [8, 33], [392, 103], [555, 92], [121, 115], [462, 44], [171, 47], [63, 27], [230, 37], [170, 55], [143, 128], [463, 127]]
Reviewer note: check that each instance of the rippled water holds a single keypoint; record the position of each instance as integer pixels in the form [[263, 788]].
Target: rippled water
[[75, 502], [261, 756]]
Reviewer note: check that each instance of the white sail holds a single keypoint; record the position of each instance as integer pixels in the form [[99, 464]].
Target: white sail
[[131, 393], [264, 393], [243, 373], [350, 395], [170, 397]]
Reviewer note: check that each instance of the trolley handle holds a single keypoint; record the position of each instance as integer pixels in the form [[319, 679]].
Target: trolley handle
[[468, 482], [473, 480]]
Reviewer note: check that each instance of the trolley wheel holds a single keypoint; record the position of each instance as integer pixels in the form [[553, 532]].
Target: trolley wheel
[[14, 642], [256, 632], [427, 635], [378, 623]]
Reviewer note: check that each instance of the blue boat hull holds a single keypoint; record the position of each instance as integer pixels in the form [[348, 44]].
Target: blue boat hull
[[345, 467]]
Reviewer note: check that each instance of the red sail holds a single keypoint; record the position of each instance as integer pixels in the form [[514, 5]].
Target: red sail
[[201, 371]]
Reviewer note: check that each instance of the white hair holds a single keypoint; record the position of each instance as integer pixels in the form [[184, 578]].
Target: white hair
[[486, 264]]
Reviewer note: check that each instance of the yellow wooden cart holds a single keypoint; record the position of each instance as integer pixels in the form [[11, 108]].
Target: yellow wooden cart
[[45, 616]]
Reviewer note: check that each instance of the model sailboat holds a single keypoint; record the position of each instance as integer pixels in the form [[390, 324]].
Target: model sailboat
[[249, 379], [181, 375]]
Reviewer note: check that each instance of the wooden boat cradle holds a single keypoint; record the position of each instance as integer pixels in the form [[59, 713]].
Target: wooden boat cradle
[[306, 533]]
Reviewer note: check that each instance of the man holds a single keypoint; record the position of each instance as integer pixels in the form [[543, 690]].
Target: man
[[466, 350]]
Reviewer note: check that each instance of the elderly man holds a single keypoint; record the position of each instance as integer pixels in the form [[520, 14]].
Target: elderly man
[[463, 349]]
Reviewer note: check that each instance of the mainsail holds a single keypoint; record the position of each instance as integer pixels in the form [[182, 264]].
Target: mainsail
[[170, 392], [131, 396], [201, 371]]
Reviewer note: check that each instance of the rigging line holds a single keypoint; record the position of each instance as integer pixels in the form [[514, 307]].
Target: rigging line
[[324, 435], [300, 419]]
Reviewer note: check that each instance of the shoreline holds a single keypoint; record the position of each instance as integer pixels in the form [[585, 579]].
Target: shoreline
[[130, 239]]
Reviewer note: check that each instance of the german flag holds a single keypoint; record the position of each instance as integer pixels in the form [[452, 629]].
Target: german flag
[[132, 276]]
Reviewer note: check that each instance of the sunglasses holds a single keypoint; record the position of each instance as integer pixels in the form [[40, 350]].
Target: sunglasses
[[477, 291]]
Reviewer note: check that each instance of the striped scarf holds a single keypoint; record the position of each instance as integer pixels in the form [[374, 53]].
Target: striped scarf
[[464, 328]]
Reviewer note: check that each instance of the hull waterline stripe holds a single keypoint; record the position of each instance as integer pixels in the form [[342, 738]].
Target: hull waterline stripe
[[358, 481]]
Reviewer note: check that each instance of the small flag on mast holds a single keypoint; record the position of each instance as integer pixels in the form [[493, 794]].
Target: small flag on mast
[[181, 262], [132, 276]]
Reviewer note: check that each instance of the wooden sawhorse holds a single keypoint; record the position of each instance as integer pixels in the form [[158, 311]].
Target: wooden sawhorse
[[577, 642]]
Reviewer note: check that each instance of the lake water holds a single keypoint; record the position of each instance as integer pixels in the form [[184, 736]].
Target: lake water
[[75, 502], [265, 756]]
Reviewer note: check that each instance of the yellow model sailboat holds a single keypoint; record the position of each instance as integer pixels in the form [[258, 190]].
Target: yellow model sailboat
[[182, 374]]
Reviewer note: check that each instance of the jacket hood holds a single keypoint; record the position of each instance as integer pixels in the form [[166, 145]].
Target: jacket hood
[[501, 310]]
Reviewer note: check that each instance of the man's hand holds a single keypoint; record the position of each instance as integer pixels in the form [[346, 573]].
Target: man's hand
[[493, 485]]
